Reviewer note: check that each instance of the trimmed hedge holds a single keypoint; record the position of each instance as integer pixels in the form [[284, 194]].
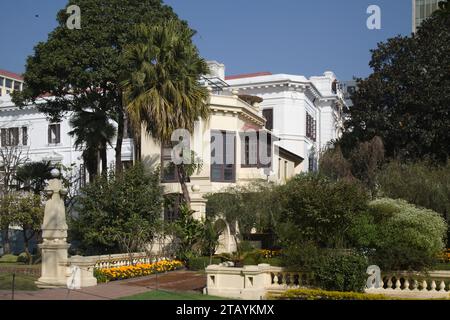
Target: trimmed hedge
[[316, 294], [200, 263], [8, 258]]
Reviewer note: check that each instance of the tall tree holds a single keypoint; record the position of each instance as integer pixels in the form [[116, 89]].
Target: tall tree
[[162, 93], [79, 68], [406, 99], [93, 132], [33, 176]]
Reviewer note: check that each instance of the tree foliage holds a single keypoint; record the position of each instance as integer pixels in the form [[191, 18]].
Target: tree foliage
[[162, 92], [406, 99], [26, 211], [317, 210], [401, 236], [117, 213], [419, 183], [83, 68]]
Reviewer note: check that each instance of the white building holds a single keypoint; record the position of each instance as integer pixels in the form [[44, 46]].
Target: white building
[[304, 113], [40, 140]]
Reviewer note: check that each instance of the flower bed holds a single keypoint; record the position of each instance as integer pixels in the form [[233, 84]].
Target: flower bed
[[139, 270], [317, 294]]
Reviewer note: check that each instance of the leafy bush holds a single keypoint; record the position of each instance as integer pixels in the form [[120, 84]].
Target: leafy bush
[[403, 236], [200, 263], [118, 214], [8, 258], [313, 294], [421, 183], [23, 258], [342, 272], [318, 210]]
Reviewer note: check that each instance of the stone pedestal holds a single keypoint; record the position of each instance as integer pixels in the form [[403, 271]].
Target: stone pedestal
[[54, 233], [54, 264], [81, 273]]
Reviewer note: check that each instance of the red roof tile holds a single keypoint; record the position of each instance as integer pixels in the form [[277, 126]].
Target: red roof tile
[[12, 75], [248, 75]]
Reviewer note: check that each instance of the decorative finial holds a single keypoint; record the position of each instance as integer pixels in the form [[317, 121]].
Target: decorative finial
[[55, 173]]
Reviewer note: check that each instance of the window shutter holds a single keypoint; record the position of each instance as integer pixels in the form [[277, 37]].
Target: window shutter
[[58, 133], [15, 136], [50, 133], [24, 136], [3, 137]]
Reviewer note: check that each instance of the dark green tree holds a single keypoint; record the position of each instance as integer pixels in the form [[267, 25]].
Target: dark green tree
[[117, 213], [92, 132], [406, 99], [83, 68], [33, 175]]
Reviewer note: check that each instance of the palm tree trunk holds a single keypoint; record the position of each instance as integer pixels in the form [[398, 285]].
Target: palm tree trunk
[[120, 129], [181, 173]]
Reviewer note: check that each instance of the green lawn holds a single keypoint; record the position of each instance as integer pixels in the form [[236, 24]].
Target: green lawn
[[22, 282], [171, 295]]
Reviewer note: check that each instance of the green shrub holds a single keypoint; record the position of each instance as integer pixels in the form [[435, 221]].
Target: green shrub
[[421, 183], [8, 258], [312, 294], [23, 258], [318, 210], [405, 237], [200, 263], [101, 277], [341, 272]]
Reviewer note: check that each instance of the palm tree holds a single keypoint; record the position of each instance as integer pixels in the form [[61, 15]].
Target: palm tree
[[93, 132], [33, 175], [161, 91]]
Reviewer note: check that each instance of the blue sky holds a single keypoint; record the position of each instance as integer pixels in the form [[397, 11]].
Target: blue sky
[[304, 37]]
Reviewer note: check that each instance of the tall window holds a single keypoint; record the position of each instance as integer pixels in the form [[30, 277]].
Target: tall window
[[16, 85], [168, 173], [9, 137], [54, 133], [223, 159], [9, 83], [251, 143], [24, 136], [311, 127], [268, 114]]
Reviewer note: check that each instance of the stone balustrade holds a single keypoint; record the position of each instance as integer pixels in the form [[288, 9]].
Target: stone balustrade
[[255, 282], [283, 280], [123, 259], [432, 285]]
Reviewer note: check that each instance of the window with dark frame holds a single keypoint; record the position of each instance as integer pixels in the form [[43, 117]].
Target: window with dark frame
[[225, 171], [168, 170], [311, 127], [24, 136], [16, 85], [10, 137], [251, 143], [8, 83], [54, 133]]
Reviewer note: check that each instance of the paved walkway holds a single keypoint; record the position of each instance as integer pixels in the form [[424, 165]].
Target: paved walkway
[[176, 280]]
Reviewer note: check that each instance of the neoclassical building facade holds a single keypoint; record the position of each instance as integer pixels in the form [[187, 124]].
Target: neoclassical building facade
[[306, 114]]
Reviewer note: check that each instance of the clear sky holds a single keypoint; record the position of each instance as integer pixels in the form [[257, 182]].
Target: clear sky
[[304, 37]]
